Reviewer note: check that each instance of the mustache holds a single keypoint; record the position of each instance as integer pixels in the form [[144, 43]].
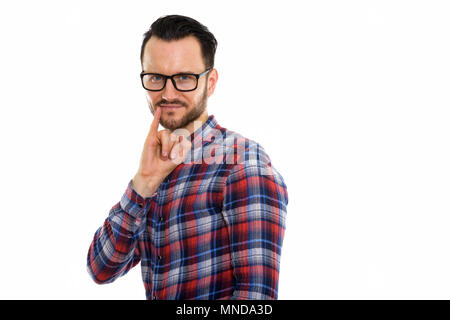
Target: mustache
[[176, 101]]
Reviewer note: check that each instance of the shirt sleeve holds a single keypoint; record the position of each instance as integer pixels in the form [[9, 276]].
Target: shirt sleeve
[[255, 200], [114, 249]]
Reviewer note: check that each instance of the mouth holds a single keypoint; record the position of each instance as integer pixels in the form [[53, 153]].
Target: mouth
[[171, 106]]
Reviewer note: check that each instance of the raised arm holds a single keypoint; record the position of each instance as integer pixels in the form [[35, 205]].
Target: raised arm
[[114, 249]]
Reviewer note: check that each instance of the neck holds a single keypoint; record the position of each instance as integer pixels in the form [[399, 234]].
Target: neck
[[197, 123]]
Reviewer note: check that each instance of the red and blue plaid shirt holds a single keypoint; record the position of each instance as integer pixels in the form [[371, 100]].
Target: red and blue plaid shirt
[[213, 230]]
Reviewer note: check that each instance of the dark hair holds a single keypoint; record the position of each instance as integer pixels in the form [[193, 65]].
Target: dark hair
[[175, 27]]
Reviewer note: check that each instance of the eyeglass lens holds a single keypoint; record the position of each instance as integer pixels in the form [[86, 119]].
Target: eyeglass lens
[[182, 81]]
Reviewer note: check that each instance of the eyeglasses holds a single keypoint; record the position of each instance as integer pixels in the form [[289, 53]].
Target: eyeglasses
[[181, 81]]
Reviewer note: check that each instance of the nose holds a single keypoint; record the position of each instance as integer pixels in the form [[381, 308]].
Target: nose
[[169, 92]]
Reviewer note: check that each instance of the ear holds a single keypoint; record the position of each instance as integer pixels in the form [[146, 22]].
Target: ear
[[213, 76]]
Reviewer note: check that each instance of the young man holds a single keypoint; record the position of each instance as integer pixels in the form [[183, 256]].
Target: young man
[[205, 213]]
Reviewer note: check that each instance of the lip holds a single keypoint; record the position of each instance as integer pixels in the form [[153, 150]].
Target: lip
[[170, 106]]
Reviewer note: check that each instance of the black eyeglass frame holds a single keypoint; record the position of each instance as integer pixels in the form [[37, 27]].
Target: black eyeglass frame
[[197, 76]]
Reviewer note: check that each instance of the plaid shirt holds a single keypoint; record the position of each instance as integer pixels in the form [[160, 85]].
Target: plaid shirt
[[213, 229]]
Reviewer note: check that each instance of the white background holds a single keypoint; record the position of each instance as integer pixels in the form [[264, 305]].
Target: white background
[[349, 98]]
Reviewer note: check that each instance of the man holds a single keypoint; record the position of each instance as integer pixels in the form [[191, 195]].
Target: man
[[205, 213]]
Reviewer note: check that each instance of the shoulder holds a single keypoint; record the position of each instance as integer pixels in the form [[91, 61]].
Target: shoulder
[[248, 151], [252, 179], [249, 157]]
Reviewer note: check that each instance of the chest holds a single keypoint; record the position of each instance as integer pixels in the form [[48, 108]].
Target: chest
[[188, 206]]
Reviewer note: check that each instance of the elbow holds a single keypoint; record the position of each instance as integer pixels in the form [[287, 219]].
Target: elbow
[[95, 277], [96, 273]]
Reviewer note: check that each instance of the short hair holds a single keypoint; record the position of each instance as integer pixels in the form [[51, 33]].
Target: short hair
[[175, 27]]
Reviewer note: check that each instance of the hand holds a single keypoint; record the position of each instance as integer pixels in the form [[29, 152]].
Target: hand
[[163, 151]]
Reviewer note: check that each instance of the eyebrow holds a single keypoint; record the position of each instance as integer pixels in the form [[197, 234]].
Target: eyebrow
[[172, 73]]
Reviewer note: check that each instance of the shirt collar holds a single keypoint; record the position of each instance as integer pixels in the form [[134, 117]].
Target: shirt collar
[[204, 134]]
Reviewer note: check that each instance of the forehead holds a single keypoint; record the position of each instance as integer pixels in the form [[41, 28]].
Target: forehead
[[173, 56]]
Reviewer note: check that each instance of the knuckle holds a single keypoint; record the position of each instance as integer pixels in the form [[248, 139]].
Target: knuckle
[[173, 137]]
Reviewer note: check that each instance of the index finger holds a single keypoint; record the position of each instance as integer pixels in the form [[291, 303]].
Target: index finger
[[155, 123]]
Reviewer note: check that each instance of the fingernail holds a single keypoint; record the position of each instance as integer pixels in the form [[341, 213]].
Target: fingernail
[[164, 154]]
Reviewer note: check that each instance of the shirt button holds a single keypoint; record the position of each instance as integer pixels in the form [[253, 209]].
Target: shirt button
[[159, 257], [161, 218], [155, 297]]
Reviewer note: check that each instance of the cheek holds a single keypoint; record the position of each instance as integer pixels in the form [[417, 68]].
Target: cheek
[[151, 97], [188, 99], [195, 98]]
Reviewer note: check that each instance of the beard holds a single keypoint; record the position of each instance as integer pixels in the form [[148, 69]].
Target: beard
[[198, 108]]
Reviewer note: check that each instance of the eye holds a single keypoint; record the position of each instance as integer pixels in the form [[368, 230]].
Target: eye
[[155, 78], [183, 77]]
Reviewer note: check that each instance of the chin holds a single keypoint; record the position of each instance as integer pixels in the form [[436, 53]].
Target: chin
[[171, 124]]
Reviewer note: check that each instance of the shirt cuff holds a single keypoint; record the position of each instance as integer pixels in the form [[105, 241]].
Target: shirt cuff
[[133, 203]]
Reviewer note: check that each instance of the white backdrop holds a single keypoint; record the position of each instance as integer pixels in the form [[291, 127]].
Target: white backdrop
[[349, 98]]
